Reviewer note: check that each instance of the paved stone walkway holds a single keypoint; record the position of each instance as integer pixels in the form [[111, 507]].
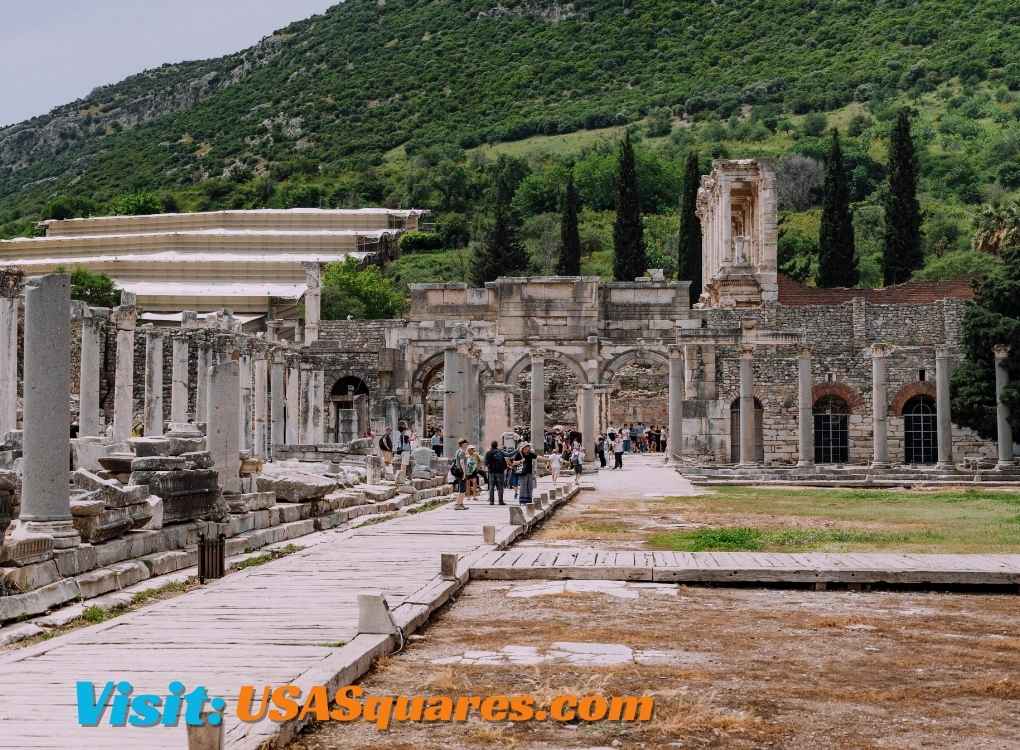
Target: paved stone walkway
[[269, 624]]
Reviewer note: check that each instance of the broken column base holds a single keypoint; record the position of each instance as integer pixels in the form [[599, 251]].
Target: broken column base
[[22, 546]]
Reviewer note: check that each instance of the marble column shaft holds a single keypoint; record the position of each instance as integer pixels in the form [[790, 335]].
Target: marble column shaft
[[45, 495], [587, 423], [261, 406], [293, 405], [313, 303], [153, 407], [9, 358], [747, 452], [805, 410], [537, 401], [125, 318], [452, 399], [201, 382], [880, 404], [277, 406], [179, 379], [89, 365], [1004, 429], [943, 410], [244, 418], [222, 435], [676, 403]]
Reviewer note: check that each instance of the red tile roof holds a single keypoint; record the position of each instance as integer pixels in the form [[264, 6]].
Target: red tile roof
[[795, 294]]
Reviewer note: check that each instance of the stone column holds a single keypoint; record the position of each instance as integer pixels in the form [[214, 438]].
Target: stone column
[[805, 417], [10, 289], [222, 435], [452, 400], [261, 405], [179, 379], [747, 457], [587, 424], [45, 495], [470, 410], [943, 410], [498, 405], [313, 303], [125, 318], [153, 408], [293, 404], [305, 405], [675, 426], [273, 330], [537, 399], [880, 404], [317, 407], [1005, 430], [244, 402], [277, 407], [89, 366], [202, 363]]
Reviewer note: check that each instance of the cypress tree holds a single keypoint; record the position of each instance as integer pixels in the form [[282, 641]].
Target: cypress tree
[[689, 250], [502, 253], [837, 260], [570, 239], [629, 260], [903, 254]]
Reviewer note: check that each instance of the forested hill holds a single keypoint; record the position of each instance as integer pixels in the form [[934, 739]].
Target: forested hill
[[339, 90]]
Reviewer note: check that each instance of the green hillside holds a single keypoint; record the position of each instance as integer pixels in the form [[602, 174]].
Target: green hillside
[[403, 102]]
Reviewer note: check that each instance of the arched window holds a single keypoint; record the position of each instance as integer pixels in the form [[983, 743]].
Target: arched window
[[920, 441], [759, 439], [351, 408], [832, 434]]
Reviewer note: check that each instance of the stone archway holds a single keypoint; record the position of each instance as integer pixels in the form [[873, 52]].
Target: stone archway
[[638, 391], [351, 408]]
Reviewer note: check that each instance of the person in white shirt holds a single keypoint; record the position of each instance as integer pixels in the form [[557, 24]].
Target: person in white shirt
[[618, 451]]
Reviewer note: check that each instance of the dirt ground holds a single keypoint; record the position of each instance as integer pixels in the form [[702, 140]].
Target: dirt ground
[[729, 668]]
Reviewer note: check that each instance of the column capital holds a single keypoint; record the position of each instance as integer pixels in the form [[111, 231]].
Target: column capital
[[676, 351], [189, 319], [1001, 351], [747, 351], [943, 352], [804, 351], [537, 354], [881, 350], [152, 331], [125, 317], [12, 282]]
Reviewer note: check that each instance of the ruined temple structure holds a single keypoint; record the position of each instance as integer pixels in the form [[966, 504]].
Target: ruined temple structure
[[762, 373]]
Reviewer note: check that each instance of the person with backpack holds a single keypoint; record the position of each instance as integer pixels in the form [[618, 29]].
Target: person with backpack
[[524, 466], [458, 470], [495, 464], [577, 462]]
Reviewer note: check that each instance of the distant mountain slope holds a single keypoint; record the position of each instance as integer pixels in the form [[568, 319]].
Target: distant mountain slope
[[342, 88]]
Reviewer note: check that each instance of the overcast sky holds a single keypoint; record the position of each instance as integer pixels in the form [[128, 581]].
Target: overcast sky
[[55, 51]]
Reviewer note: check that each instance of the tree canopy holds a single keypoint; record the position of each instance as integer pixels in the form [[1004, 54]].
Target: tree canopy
[[348, 290]]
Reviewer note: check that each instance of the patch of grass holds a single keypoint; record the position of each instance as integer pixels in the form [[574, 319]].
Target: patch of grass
[[781, 540], [427, 506], [94, 615], [262, 559], [379, 519], [176, 587]]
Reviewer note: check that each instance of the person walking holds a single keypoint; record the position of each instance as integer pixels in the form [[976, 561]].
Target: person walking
[[472, 466], [577, 461], [554, 466], [437, 442], [458, 470], [618, 451], [386, 448], [495, 464], [524, 461], [600, 451]]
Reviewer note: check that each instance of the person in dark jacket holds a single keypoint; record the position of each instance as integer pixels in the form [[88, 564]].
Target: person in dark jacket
[[495, 464]]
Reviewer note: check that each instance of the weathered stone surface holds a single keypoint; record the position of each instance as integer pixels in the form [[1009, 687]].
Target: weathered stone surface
[[117, 463], [155, 503], [360, 447], [72, 562], [150, 446], [181, 445], [295, 486], [87, 504], [343, 499], [113, 493], [29, 577], [198, 459], [24, 548], [86, 452], [112, 522], [15, 633], [38, 601], [162, 563], [158, 463]]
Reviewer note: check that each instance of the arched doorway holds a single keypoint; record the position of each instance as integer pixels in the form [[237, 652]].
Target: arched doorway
[[920, 441], [351, 408], [759, 435], [832, 430]]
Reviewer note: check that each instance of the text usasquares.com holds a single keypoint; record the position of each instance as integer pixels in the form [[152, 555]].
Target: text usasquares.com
[[288, 702]]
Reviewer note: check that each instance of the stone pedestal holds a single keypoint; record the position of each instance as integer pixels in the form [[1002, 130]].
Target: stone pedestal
[[153, 409], [676, 403], [89, 366], [747, 457], [1004, 429], [10, 289], [222, 435], [124, 318], [179, 379], [805, 416], [943, 410], [880, 404], [537, 400], [45, 499]]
